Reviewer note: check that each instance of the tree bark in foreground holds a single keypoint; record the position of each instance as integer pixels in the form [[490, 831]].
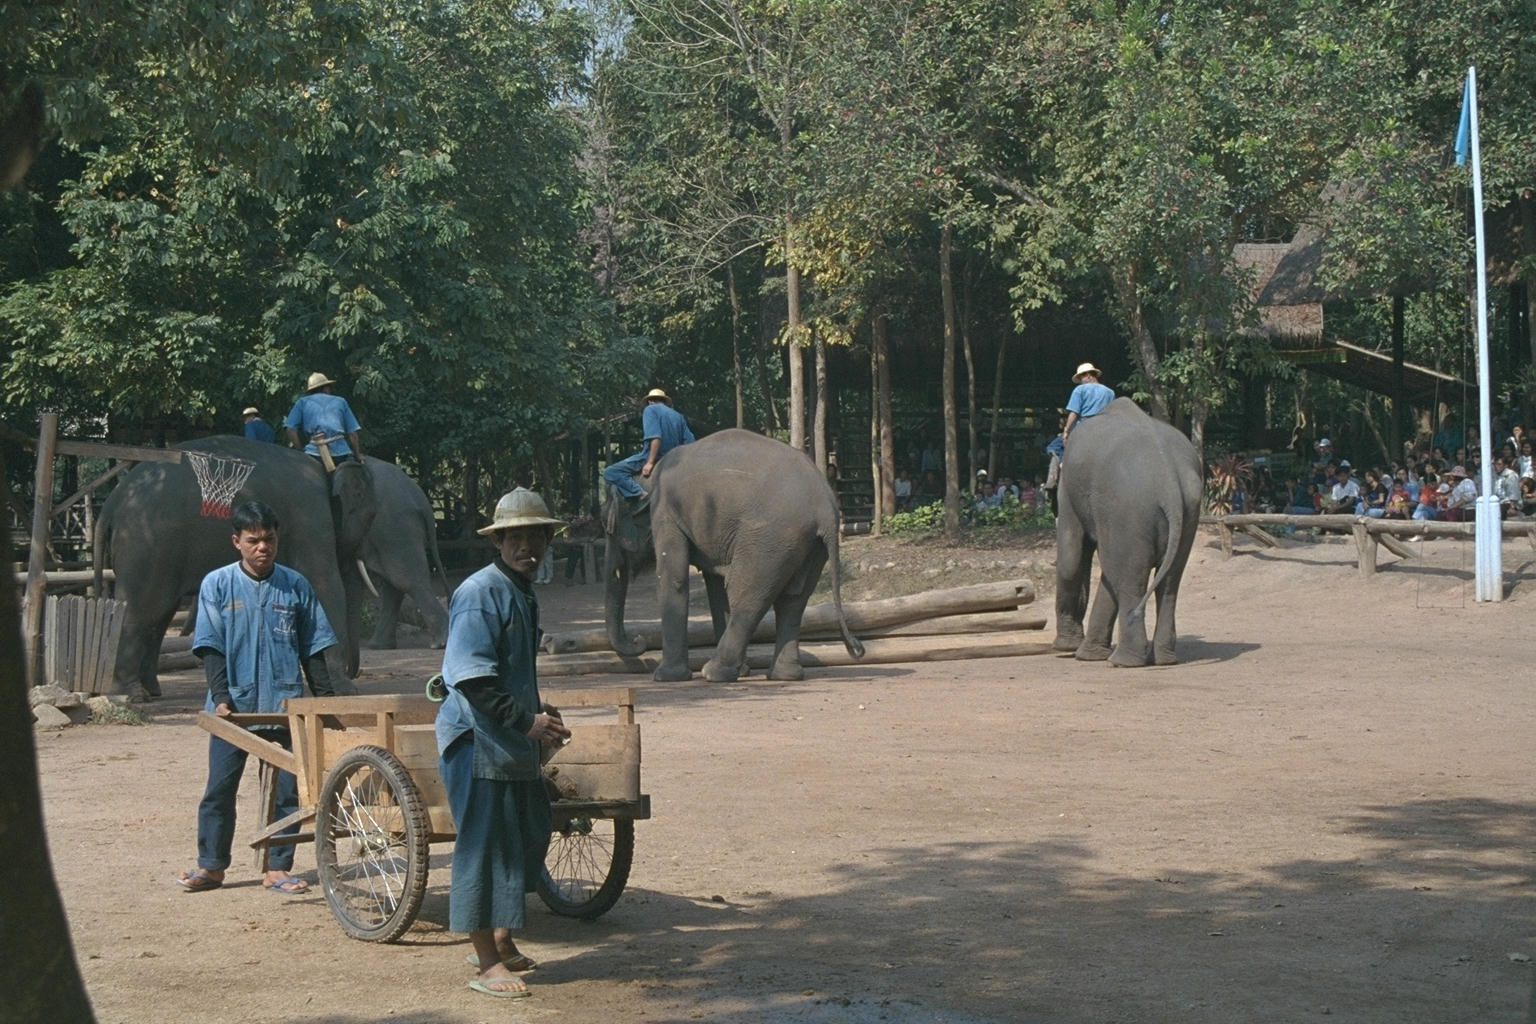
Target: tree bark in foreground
[[951, 441], [38, 975]]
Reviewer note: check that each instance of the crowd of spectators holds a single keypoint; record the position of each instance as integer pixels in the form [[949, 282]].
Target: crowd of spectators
[[1429, 484]]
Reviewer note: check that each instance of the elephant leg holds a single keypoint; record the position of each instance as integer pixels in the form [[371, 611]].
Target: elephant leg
[[672, 591], [788, 611], [1131, 647], [1074, 563], [432, 613], [1165, 633], [1101, 621], [385, 630], [719, 602]]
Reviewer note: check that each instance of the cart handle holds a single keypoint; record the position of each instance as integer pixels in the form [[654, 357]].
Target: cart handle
[[233, 733]]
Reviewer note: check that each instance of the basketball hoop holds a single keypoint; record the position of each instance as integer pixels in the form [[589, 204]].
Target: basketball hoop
[[218, 478]]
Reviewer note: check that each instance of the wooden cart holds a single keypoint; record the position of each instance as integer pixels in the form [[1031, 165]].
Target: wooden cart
[[367, 780]]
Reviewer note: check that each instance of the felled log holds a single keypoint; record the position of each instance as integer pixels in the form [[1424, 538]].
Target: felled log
[[821, 619], [892, 651]]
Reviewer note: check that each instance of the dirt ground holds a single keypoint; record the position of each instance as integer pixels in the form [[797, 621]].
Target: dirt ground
[[1324, 812]]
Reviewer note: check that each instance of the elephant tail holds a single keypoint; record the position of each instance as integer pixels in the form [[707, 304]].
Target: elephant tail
[[99, 544], [829, 536], [1175, 514]]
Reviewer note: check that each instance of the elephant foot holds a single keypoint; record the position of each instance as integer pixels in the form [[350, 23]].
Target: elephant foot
[[1126, 657], [671, 673], [717, 671], [790, 673], [1165, 657], [1067, 642], [1091, 652]]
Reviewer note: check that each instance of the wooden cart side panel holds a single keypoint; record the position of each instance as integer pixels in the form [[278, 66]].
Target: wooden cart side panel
[[602, 762], [416, 747]]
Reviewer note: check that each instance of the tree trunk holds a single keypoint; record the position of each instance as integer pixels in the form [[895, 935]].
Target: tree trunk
[[883, 398], [876, 477], [970, 390], [1142, 343], [951, 441], [819, 424], [997, 405], [796, 354], [736, 368], [37, 960]]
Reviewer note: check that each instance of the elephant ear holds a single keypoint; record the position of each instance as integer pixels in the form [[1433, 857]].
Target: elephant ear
[[354, 503], [630, 530]]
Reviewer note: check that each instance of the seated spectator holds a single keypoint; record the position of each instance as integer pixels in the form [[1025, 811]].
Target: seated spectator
[[903, 486], [1027, 493], [1525, 464], [1431, 497], [1506, 484], [1461, 501], [1528, 496], [1344, 494], [1409, 481], [1298, 498], [1373, 497], [1399, 504], [930, 488]]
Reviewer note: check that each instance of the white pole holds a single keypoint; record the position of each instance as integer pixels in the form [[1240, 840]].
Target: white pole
[[1489, 529]]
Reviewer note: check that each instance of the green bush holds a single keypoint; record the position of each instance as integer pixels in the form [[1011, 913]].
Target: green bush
[[1010, 513]]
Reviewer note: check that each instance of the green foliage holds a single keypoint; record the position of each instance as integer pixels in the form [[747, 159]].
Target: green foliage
[[1009, 513]]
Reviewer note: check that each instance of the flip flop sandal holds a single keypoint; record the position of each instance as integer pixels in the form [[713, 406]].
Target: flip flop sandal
[[290, 886], [519, 964], [499, 993], [198, 880]]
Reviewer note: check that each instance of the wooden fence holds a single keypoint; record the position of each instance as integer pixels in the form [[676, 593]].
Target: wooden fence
[[80, 638]]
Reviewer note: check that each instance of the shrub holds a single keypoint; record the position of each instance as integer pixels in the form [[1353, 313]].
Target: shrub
[[1009, 513]]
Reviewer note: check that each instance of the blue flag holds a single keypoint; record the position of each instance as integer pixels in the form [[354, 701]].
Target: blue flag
[[1464, 128]]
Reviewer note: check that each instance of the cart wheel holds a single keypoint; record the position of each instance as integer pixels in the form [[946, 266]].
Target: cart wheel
[[587, 865], [371, 844]]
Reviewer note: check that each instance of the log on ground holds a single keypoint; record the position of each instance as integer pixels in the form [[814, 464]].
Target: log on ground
[[821, 619], [893, 651]]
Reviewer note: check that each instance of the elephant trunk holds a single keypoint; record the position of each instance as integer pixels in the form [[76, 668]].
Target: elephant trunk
[[616, 590]]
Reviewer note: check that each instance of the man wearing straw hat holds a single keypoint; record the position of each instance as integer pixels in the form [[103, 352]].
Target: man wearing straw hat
[[1088, 398], [662, 429], [323, 416], [256, 428], [489, 733]]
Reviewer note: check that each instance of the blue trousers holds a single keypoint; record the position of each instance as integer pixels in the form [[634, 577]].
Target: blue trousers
[[216, 813], [502, 836], [622, 474]]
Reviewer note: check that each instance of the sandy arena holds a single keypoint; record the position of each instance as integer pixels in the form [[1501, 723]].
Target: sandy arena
[[1321, 814]]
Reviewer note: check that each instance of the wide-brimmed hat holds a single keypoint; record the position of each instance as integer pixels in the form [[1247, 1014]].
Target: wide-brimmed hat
[[317, 380], [520, 507], [1456, 471], [250, 410], [1083, 368], [1324, 443], [657, 395]]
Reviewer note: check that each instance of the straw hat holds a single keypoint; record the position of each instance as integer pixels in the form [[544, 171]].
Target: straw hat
[[317, 380], [656, 394], [1084, 368], [520, 507], [251, 410], [1456, 471]]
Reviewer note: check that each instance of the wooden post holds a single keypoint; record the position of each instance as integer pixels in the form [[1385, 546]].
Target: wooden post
[[37, 555], [1365, 546]]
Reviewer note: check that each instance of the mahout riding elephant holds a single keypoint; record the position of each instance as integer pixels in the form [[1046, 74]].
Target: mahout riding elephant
[[758, 520], [1130, 490], [395, 552], [162, 545]]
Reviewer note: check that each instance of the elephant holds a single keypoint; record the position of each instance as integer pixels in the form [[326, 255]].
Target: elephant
[[758, 521], [1130, 488], [163, 541], [395, 552]]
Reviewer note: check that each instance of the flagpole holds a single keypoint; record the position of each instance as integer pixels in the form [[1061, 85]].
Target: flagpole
[[1489, 528]]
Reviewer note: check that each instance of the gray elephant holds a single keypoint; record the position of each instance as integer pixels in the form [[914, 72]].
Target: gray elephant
[[161, 542], [395, 552], [758, 521], [1130, 489]]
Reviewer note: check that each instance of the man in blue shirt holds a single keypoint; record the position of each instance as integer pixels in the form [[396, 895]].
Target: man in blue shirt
[[322, 415], [1088, 399], [258, 623], [256, 428], [490, 729], [663, 428]]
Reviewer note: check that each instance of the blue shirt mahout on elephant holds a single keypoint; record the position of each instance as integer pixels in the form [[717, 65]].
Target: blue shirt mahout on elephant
[[1131, 492], [759, 521]]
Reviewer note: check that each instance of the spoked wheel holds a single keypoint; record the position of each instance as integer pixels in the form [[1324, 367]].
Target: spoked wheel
[[587, 865], [371, 844]]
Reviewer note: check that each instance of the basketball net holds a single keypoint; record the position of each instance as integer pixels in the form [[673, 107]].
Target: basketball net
[[218, 479]]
